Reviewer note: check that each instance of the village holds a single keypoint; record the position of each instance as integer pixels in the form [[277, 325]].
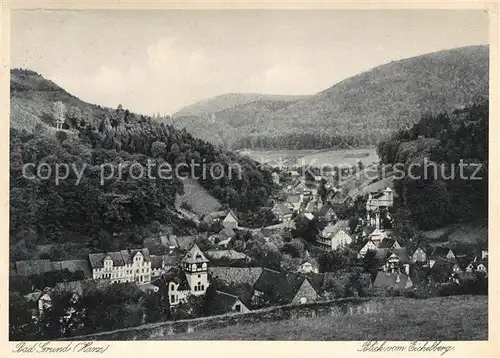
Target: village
[[312, 251]]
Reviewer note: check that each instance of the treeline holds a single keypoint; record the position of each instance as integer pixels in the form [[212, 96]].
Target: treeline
[[44, 210], [306, 141], [455, 191]]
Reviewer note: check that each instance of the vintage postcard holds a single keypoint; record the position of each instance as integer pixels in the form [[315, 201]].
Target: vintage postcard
[[231, 174]]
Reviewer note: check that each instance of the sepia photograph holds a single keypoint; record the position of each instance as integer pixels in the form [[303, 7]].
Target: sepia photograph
[[248, 175]]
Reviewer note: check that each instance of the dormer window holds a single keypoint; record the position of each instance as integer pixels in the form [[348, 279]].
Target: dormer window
[[108, 263]]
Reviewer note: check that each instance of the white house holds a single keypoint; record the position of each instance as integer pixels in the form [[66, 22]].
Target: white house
[[378, 235], [230, 221], [376, 202], [370, 245], [335, 240], [384, 199], [122, 266], [190, 278], [478, 266], [282, 212], [307, 267]]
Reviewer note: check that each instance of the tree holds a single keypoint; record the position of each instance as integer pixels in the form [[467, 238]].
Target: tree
[[322, 192], [331, 261], [61, 136], [158, 149], [21, 325], [370, 263], [353, 224]]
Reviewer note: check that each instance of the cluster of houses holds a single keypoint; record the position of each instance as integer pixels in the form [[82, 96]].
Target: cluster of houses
[[181, 269], [302, 198]]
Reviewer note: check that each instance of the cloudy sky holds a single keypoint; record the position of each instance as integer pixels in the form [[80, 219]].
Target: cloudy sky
[[160, 61]]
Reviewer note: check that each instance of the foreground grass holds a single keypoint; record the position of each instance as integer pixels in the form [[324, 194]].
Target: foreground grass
[[442, 318]]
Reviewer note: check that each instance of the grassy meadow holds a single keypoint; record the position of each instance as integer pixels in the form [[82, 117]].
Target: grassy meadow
[[439, 318], [315, 157], [198, 198]]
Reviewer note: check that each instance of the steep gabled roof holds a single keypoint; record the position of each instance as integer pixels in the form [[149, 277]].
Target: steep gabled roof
[[368, 230], [222, 303], [176, 275], [402, 254], [144, 252], [289, 287], [268, 281], [119, 258], [248, 275], [33, 267], [194, 256], [475, 264], [386, 243], [440, 251], [326, 209], [231, 214]]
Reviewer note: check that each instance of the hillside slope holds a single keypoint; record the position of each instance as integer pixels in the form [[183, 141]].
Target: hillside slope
[[108, 205], [439, 318], [230, 100], [362, 109]]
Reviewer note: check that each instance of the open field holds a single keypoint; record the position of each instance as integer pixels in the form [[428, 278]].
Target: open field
[[315, 157], [440, 318], [198, 198], [465, 233]]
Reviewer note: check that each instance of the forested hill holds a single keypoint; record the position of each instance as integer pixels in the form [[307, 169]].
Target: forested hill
[[360, 110], [43, 210], [206, 107], [444, 196]]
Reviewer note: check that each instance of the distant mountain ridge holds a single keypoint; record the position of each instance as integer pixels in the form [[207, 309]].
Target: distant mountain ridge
[[359, 110], [230, 100]]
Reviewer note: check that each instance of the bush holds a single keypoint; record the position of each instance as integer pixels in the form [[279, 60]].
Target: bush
[[186, 206]]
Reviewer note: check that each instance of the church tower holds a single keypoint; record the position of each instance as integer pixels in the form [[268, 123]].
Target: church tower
[[195, 266]]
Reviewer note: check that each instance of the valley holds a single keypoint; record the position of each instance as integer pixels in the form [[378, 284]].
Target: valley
[[357, 112], [337, 157]]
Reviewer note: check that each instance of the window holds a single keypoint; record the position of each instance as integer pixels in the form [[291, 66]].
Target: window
[[172, 298], [172, 287], [237, 308], [199, 276], [196, 288], [202, 287]]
